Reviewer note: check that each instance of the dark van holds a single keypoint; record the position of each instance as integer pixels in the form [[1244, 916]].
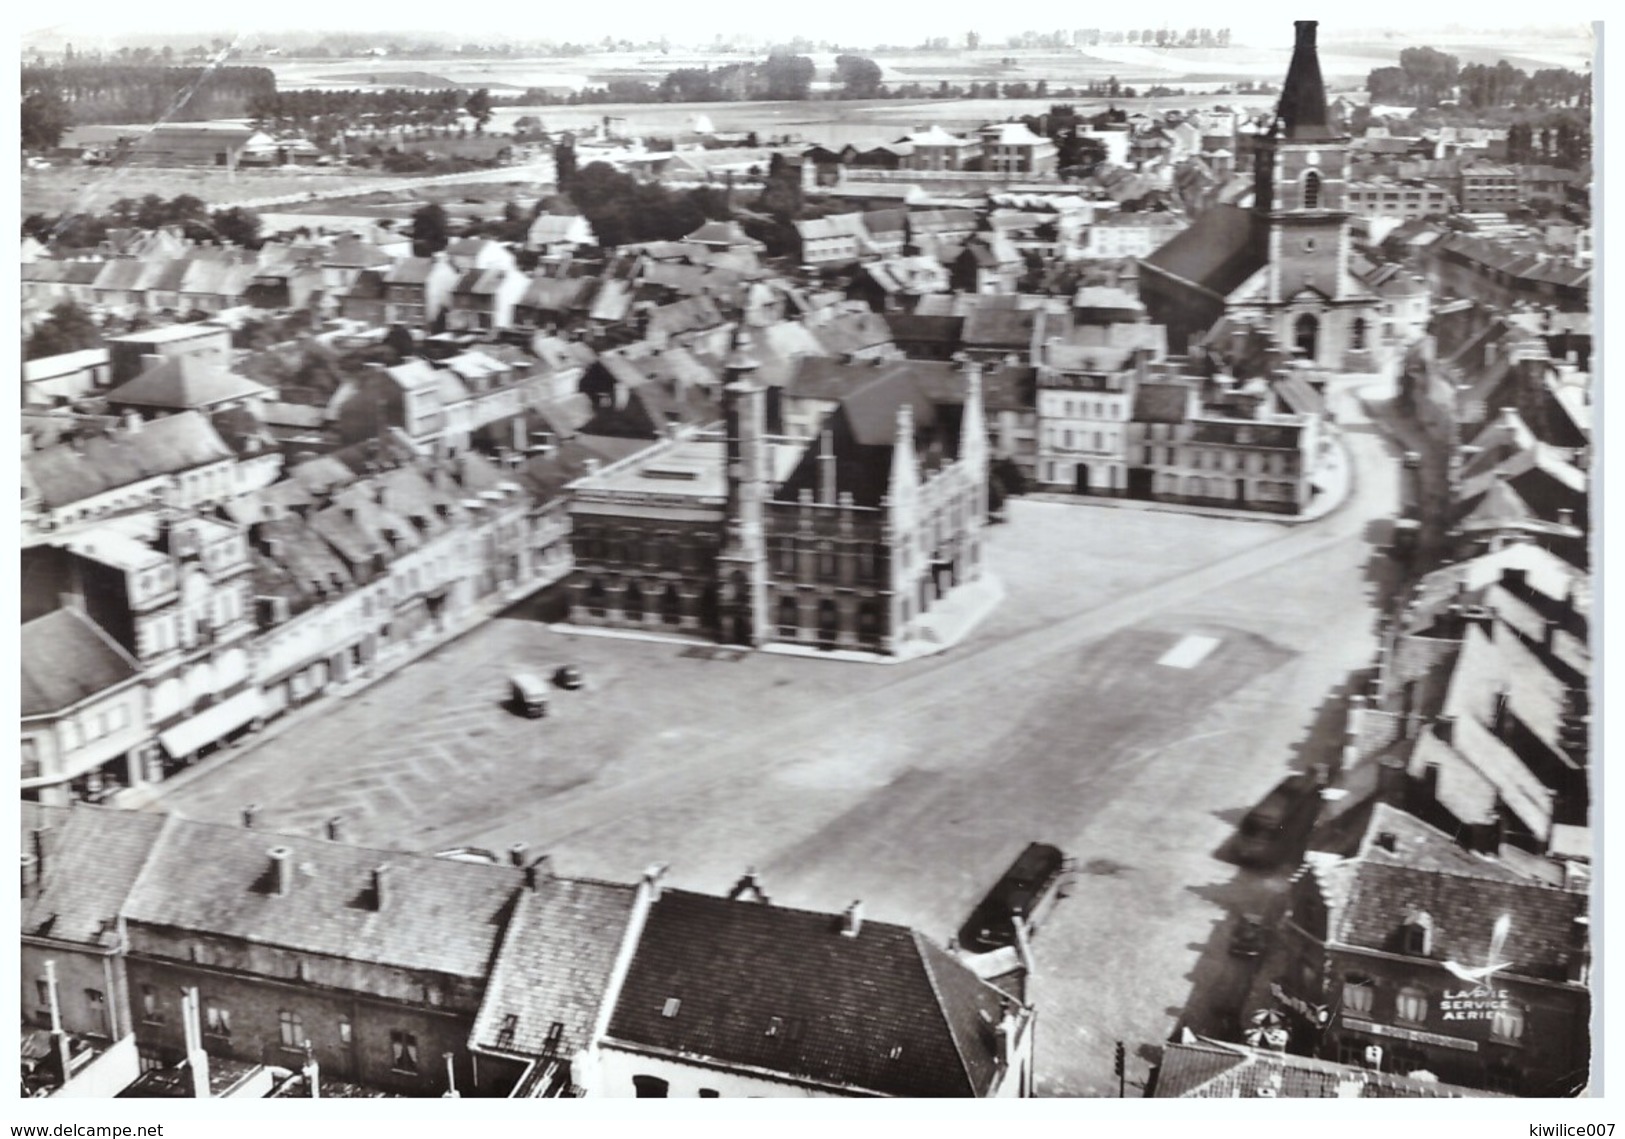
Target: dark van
[[1283, 818], [1039, 877]]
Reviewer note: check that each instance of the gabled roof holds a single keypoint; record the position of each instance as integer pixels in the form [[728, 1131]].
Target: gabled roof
[[62, 475], [438, 915], [1162, 402], [94, 856], [1218, 252], [1388, 887], [67, 659], [553, 967], [781, 990], [180, 383]]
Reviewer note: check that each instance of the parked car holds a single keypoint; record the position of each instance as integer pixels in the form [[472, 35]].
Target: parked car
[[1248, 937], [528, 695], [1028, 891], [568, 677]]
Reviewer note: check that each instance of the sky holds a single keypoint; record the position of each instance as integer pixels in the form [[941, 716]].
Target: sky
[[857, 22]]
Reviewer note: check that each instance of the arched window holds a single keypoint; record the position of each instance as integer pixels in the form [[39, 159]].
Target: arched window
[[650, 1087], [1357, 334], [1306, 336], [671, 606], [595, 597], [632, 602], [1311, 191]]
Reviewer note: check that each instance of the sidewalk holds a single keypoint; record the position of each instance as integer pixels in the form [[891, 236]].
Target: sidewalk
[[1335, 478], [150, 794], [941, 629]]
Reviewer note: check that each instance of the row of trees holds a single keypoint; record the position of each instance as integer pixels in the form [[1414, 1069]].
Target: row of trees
[[133, 93], [234, 225], [1427, 77]]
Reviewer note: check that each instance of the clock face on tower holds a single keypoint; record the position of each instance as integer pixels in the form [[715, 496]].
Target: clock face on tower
[[1313, 158]]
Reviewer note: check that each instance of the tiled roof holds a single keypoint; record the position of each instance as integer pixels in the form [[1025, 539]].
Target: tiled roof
[[1210, 1069], [853, 332], [62, 475], [1162, 402], [66, 658], [1542, 935], [438, 915], [179, 383], [783, 990], [1248, 433], [553, 966], [1218, 252], [990, 327], [94, 856]]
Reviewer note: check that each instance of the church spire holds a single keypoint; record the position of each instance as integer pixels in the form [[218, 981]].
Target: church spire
[[1301, 114]]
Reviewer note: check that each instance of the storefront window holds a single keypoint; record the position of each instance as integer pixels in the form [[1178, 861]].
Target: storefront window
[[1358, 993], [1507, 1023]]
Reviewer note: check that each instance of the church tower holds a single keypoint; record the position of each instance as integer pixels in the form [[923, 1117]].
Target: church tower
[[1300, 184]]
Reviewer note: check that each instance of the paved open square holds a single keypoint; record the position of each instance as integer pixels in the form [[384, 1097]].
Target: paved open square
[[1148, 678]]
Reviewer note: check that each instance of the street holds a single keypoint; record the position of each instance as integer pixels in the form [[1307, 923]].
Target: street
[[1149, 677]]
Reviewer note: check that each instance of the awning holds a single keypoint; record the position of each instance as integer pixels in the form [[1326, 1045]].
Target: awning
[[190, 735]]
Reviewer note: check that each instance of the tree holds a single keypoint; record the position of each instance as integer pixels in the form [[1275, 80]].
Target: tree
[[430, 229], [45, 115], [788, 76], [564, 164], [68, 329], [479, 106], [238, 226], [859, 76]]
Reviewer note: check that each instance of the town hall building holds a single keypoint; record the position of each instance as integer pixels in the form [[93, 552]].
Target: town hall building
[[846, 541]]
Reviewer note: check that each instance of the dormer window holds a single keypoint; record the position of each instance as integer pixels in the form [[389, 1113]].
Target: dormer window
[[1416, 936]]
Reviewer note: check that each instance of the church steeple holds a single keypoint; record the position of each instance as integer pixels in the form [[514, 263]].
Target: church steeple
[[1301, 115]]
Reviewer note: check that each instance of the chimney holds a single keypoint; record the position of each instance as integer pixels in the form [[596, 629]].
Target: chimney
[[1391, 781], [250, 812], [1444, 726], [1387, 840], [1565, 517], [31, 874], [1549, 632], [516, 853], [335, 828], [1488, 835], [653, 875], [534, 872], [1498, 725], [44, 844], [1005, 1036], [852, 919], [380, 887], [281, 871]]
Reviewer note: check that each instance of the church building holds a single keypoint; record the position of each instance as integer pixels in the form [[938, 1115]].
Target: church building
[[1283, 264]]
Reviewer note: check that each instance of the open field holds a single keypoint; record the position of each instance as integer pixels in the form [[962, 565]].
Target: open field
[[1342, 62], [93, 188]]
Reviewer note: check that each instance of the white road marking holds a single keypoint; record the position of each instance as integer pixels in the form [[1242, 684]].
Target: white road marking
[[1189, 652]]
